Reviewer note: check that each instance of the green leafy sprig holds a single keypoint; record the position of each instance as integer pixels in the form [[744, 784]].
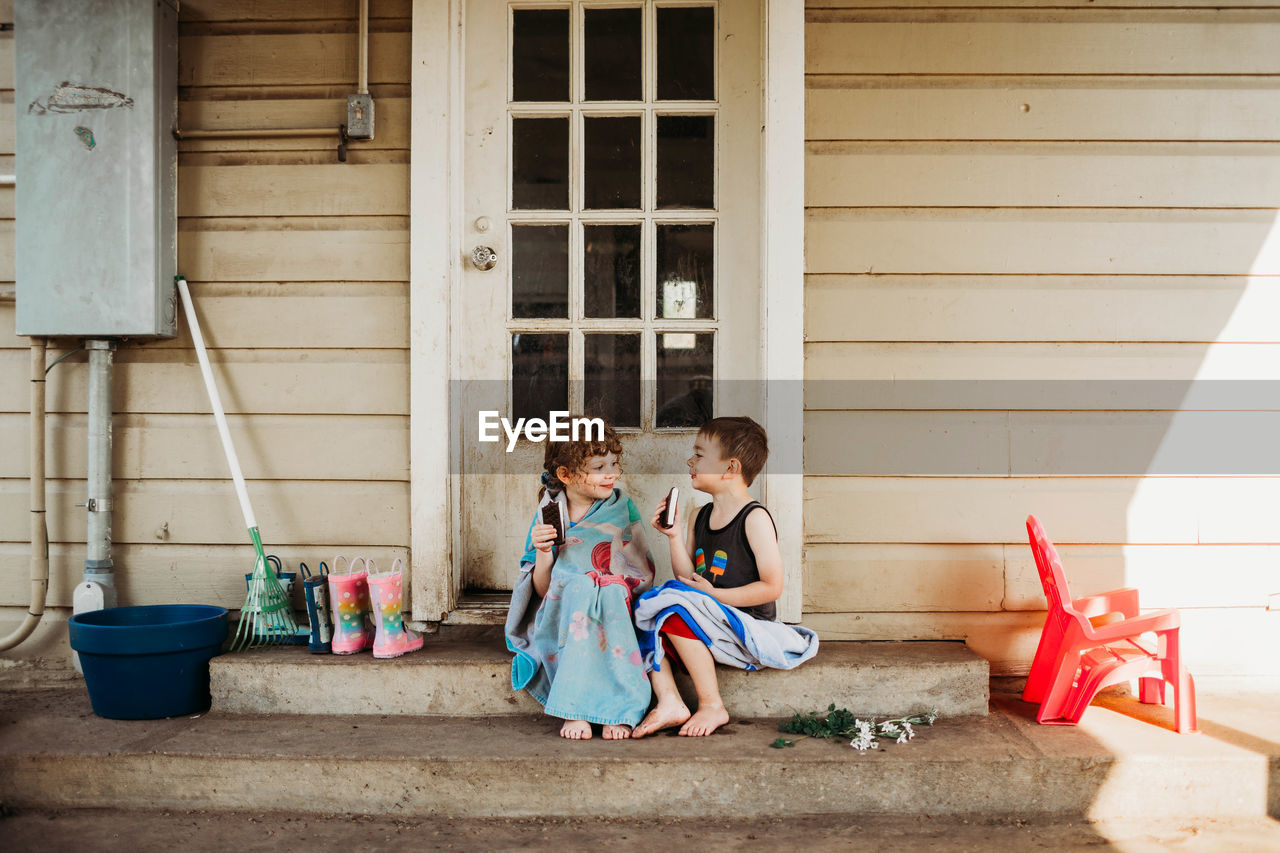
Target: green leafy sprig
[[840, 723]]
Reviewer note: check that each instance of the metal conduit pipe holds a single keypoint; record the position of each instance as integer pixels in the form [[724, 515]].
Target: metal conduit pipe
[[362, 80], [98, 567], [257, 133], [39, 528]]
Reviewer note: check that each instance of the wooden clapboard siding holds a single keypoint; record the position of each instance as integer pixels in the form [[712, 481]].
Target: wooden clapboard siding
[[299, 267], [391, 125], [1030, 360], [1041, 241], [923, 578], [1040, 174], [165, 572], [293, 382], [1112, 510], [292, 59], [1079, 200], [355, 190], [183, 447], [1041, 42], [1018, 308], [288, 11], [290, 512], [248, 315]]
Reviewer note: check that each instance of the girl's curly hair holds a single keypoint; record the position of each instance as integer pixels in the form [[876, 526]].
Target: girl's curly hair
[[574, 455]]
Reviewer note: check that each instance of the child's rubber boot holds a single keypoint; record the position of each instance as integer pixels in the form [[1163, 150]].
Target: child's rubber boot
[[349, 603], [392, 638], [316, 589]]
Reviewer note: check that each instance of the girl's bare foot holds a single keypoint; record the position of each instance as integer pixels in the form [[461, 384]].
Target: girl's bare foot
[[576, 730], [664, 716], [705, 721], [616, 732]]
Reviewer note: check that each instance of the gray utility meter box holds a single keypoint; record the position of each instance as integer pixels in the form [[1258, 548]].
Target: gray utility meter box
[[97, 172]]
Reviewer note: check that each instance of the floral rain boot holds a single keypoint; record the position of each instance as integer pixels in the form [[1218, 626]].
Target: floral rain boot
[[349, 604], [393, 639]]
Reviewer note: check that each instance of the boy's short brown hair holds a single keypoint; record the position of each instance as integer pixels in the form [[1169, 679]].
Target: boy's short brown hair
[[742, 439]]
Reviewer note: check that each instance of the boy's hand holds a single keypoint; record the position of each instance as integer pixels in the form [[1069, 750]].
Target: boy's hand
[[670, 532], [543, 535], [700, 583]]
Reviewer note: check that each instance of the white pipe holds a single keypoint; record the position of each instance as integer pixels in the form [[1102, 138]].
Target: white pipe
[[39, 529], [362, 85], [223, 433], [98, 566]]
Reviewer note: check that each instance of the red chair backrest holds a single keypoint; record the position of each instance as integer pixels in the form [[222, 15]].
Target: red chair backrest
[[1052, 579]]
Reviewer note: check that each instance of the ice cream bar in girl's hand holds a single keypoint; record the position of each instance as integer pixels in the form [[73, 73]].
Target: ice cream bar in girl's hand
[[669, 514], [551, 515]]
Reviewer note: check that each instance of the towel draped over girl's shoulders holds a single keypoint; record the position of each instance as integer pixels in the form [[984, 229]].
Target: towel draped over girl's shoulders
[[576, 650]]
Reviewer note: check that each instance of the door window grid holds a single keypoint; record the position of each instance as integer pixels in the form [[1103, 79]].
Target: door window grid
[[651, 326]]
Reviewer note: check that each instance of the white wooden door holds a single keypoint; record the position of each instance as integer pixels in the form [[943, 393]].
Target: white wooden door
[[612, 162]]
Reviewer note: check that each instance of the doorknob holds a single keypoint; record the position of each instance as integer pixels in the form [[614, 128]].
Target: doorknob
[[484, 258]]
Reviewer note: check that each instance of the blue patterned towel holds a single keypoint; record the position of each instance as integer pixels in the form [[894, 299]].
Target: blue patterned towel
[[735, 638], [576, 651]]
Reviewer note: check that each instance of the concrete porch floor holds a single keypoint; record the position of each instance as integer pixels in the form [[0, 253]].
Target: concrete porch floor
[[1122, 762]]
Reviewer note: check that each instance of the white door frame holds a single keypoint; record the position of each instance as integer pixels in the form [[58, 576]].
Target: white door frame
[[436, 254]]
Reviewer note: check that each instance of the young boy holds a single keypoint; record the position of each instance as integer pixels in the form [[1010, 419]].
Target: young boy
[[732, 557]]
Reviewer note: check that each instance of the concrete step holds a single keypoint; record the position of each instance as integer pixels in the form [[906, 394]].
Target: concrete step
[[466, 671], [1122, 761]]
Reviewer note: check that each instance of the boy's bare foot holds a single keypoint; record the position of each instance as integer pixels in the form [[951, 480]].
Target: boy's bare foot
[[664, 716], [576, 730], [617, 732], [705, 721]]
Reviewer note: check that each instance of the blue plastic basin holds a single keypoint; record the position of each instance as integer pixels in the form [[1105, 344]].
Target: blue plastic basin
[[144, 663]]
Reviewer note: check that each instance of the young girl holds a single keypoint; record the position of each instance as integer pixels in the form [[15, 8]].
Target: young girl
[[570, 624]]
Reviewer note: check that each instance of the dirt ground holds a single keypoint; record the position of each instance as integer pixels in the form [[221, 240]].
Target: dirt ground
[[107, 831]]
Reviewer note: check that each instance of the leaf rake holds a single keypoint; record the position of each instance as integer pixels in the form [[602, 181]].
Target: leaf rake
[[266, 617]]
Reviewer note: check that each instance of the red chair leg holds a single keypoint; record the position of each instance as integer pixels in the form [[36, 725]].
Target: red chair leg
[[1057, 698], [1184, 704], [1043, 662], [1151, 690]]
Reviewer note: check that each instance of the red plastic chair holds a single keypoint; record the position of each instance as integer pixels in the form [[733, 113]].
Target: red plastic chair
[[1092, 642]]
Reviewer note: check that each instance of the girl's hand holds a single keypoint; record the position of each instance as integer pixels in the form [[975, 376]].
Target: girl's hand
[[674, 530], [543, 536]]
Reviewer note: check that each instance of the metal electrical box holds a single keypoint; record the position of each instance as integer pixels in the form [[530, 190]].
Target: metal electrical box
[[97, 173]]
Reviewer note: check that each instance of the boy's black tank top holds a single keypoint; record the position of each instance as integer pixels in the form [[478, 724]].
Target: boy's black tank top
[[724, 556]]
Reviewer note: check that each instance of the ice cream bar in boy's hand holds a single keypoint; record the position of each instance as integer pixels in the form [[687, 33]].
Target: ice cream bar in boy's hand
[[669, 514], [551, 515]]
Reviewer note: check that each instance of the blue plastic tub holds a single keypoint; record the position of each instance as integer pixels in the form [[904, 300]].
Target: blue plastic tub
[[144, 663]]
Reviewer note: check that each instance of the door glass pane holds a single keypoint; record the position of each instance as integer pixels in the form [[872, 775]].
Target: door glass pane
[[612, 61], [540, 163], [685, 271], [686, 54], [685, 367], [611, 270], [611, 381], [611, 160], [540, 271], [540, 55], [686, 162], [539, 374]]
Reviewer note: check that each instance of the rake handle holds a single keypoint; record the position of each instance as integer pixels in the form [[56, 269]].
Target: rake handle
[[218, 415]]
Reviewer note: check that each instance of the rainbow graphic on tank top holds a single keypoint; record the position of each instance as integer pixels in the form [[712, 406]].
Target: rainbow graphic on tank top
[[699, 562]]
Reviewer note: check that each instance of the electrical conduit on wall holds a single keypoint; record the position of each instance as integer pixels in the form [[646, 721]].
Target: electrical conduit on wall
[[39, 529]]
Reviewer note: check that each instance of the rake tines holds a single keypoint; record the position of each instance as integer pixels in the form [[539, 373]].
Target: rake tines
[[266, 617]]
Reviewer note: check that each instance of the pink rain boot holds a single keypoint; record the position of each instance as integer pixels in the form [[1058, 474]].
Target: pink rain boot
[[349, 602], [393, 639]]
